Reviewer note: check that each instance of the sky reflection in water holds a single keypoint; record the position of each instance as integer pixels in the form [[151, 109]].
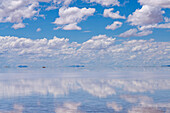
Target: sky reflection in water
[[83, 91]]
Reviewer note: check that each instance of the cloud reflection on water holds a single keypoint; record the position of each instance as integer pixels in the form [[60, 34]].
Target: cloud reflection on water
[[16, 109], [97, 87], [68, 107], [106, 93]]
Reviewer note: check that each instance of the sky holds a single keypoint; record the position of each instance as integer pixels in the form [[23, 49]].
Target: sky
[[96, 32]]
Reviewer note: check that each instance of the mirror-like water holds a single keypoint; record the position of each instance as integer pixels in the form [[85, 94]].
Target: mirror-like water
[[86, 91]]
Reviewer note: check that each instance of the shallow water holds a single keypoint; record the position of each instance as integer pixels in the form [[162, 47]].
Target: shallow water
[[85, 90]]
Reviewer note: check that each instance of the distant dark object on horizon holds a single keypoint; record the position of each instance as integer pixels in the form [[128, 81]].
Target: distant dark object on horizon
[[165, 66], [43, 67], [22, 66], [77, 66], [6, 67]]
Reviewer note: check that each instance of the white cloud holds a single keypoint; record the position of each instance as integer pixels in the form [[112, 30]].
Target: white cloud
[[144, 33], [19, 25], [114, 26], [38, 29], [98, 42], [72, 16], [167, 19], [134, 32], [15, 11], [150, 15], [145, 16], [105, 2], [165, 25], [51, 8], [63, 2], [99, 49], [58, 43], [57, 28], [156, 3], [72, 27], [44, 0], [109, 13]]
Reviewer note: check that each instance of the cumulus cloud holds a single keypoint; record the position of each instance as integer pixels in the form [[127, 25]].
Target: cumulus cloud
[[98, 49], [37, 48], [134, 32], [63, 2], [156, 3], [14, 11], [146, 15], [167, 19], [51, 8], [56, 28], [150, 15], [67, 2], [109, 13], [72, 27], [38, 29], [73, 15], [44, 0], [19, 25], [114, 26], [98, 42], [165, 25], [105, 2]]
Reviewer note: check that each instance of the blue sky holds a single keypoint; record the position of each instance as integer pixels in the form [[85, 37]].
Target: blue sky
[[95, 24], [81, 20]]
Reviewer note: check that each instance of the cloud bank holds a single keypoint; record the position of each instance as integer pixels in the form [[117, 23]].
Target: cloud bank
[[99, 49]]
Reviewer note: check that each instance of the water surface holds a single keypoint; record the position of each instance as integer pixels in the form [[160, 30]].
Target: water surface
[[85, 90]]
